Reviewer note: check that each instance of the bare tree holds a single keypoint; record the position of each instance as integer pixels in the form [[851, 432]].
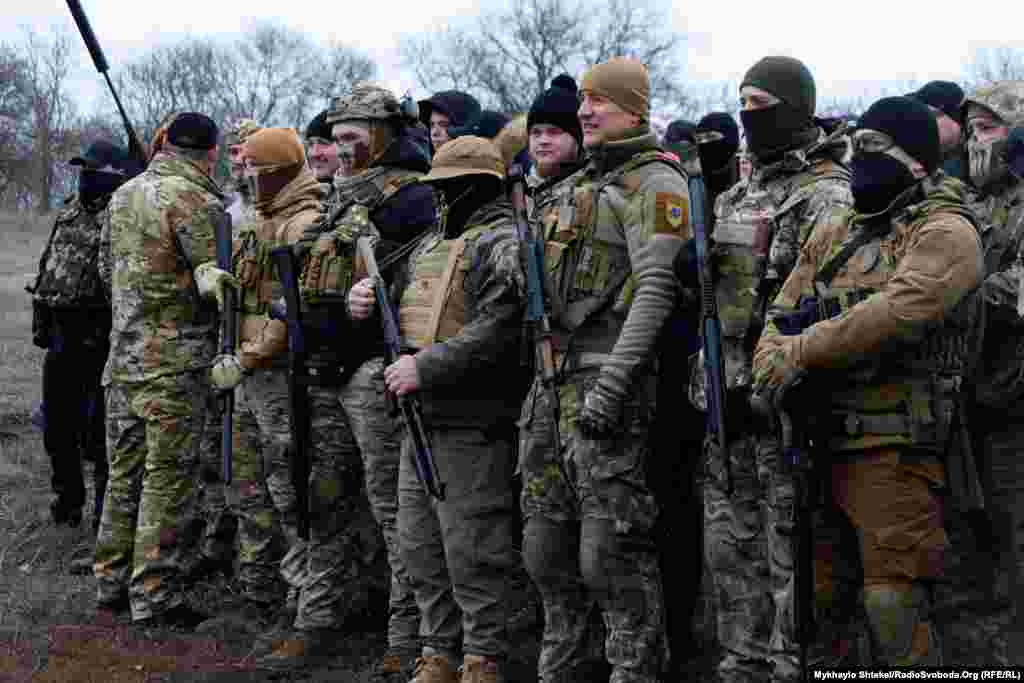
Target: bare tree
[[15, 108], [988, 65], [510, 53]]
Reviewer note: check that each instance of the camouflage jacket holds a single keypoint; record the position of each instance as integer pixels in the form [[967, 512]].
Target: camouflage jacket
[[786, 201], [297, 206], [474, 376], [161, 229], [243, 213], [893, 323], [1000, 381]]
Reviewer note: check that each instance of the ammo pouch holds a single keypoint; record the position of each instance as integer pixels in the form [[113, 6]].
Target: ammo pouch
[[42, 324], [327, 269], [255, 275], [923, 419]]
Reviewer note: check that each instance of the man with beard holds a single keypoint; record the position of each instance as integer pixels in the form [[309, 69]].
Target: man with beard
[[990, 113], [354, 435], [321, 151], [71, 320], [870, 334], [461, 307], [797, 179]]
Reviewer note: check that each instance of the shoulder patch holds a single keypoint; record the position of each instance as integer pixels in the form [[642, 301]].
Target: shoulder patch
[[671, 214]]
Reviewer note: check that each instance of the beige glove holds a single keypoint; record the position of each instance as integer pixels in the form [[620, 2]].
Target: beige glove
[[226, 373], [211, 282]]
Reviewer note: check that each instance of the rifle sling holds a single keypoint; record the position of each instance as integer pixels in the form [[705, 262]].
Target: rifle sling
[[580, 312], [867, 234]]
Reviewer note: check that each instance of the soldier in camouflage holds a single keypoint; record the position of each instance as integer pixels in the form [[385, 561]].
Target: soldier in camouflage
[[610, 244], [71, 320], [990, 113], [460, 316], [797, 179], [353, 430], [286, 196], [163, 340], [880, 353]]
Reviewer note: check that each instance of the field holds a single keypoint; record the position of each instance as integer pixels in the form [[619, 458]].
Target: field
[[48, 629]]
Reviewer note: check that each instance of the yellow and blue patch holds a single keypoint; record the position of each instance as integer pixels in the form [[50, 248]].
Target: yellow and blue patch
[[672, 214]]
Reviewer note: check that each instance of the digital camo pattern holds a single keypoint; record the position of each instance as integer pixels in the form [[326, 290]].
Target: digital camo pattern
[[69, 275], [1004, 98], [153, 438], [161, 228], [366, 102]]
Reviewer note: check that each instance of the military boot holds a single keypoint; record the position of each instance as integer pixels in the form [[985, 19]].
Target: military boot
[[477, 669], [304, 648], [394, 668], [434, 669]]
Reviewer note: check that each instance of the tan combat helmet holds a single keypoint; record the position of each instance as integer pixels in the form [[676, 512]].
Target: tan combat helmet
[[466, 155], [366, 102], [239, 131], [1005, 99]]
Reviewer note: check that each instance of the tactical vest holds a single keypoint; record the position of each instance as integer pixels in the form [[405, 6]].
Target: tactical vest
[[586, 260], [906, 397], [69, 274], [743, 247], [433, 305], [328, 267]]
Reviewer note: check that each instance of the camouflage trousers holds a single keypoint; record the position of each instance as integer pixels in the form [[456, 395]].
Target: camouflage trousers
[[748, 550], [331, 572], [215, 510], [262, 479], [461, 551], [593, 546], [145, 540], [379, 436]]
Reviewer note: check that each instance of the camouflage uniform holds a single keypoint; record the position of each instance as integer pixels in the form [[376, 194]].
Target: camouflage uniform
[[261, 429], [461, 551], [999, 386], [766, 218], [610, 243], [71, 319], [163, 340], [887, 419]]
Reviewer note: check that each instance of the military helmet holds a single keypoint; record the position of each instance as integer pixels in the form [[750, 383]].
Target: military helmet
[[239, 130], [1005, 99], [366, 102]]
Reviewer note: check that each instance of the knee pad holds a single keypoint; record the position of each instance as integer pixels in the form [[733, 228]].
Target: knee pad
[[901, 630]]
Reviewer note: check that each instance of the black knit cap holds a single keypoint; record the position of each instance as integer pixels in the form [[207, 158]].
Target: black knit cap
[[946, 96], [487, 125], [318, 127], [720, 122], [461, 108], [788, 79], [681, 131], [557, 106], [192, 130], [911, 126]]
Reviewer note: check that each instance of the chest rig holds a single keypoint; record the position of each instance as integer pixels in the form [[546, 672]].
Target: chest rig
[[330, 257], [586, 258], [69, 270], [909, 395]]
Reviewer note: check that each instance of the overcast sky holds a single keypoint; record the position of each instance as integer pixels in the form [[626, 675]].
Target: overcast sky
[[850, 47]]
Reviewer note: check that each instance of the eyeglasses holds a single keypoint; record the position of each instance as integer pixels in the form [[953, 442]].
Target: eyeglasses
[[872, 141]]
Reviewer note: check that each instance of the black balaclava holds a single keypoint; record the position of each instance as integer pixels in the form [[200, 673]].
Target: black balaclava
[[680, 139], [94, 186], [879, 179], [789, 124], [718, 157]]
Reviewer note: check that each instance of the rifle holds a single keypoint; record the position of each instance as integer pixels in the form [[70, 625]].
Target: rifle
[[228, 338], [135, 147], [408, 405], [298, 380], [536, 319], [710, 330]]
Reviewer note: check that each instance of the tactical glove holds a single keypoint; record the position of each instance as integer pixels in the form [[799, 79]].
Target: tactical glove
[[774, 371], [226, 373], [211, 281], [600, 417]]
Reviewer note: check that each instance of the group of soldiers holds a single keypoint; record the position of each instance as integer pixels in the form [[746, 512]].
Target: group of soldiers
[[549, 276]]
